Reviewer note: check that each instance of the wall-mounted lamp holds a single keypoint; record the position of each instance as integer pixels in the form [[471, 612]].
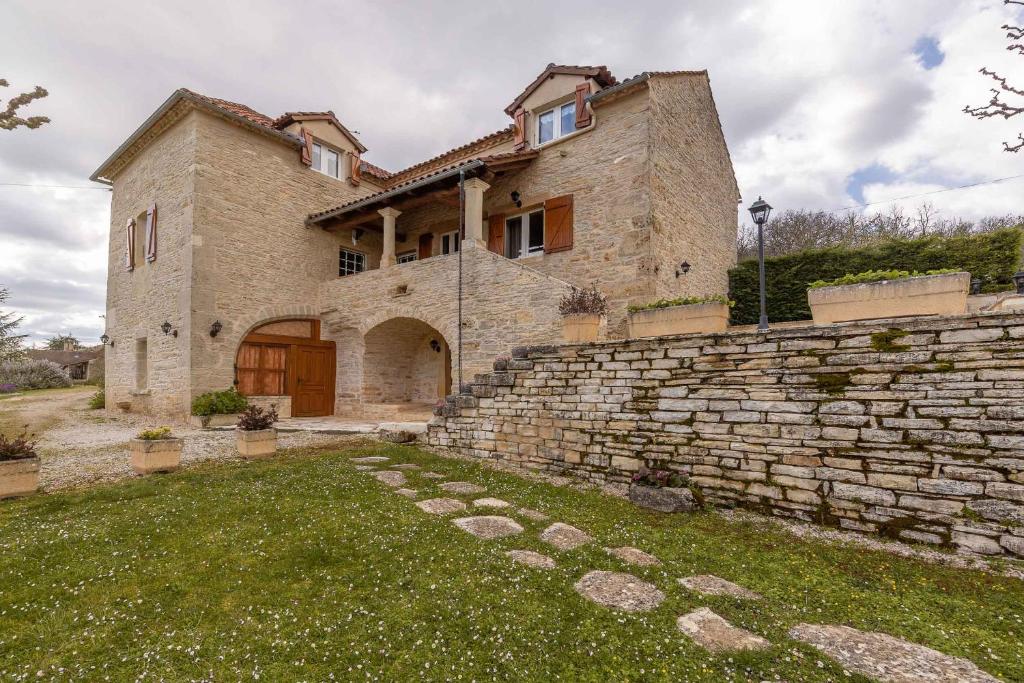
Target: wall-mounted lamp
[[516, 198], [1018, 280], [215, 328], [166, 327], [435, 346], [105, 340], [683, 269], [975, 285], [357, 235]]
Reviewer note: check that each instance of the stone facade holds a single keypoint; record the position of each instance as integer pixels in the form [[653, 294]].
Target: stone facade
[[913, 428]]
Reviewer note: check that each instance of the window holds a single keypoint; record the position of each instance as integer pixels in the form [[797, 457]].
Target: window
[[326, 160], [407, 256], [141, 364], [554, 123], [351, 262], [450, 242], [524, 234]]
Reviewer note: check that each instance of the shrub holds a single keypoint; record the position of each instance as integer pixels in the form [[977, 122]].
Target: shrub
[[219, 403], [98, 400], [660, 478], [583, 302], [682, 301], [877, 276], [255, 418], [8, 388], [155, 434], [991, 256], [34, 374], [17, 448]]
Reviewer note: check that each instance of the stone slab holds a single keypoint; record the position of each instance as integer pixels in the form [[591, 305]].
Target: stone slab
[[408, 493], [535, 515], [463, 487], [715, 634], [370, 459], [390, 478], [620, 591], [488, 526], [405, 466], [531, 559], [634, 556], [441, 506], [564, 536], [708, 584], [432, 475]]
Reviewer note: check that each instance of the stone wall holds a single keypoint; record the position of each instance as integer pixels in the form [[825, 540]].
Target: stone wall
[[913, 428]]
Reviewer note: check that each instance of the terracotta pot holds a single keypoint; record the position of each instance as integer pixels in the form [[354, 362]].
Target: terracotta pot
[[924, 295], [581, 328], [155, 455], [19, 477], [254, 445], [663, 499], [685, 319]]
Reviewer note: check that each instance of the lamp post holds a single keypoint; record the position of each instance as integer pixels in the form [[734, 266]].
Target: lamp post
[[759, 211]]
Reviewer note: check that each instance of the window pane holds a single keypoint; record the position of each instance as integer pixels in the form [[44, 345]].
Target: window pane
[[546, 127], [568, 118], [514, 237], [350, 262], [407, 257], [450, 242], [536, 231], [316, 157], [332, 163]]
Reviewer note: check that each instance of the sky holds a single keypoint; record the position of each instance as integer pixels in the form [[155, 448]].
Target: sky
[[825, 104]]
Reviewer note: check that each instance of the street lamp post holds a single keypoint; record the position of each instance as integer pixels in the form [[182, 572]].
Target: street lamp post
[[759, 211]]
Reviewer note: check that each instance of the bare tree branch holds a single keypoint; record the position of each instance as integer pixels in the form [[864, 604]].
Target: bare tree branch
[[998, 106], [9, 120]]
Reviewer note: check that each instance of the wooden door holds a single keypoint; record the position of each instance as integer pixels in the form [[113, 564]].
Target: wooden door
[[261, 369], [426, 245], [313, 394]]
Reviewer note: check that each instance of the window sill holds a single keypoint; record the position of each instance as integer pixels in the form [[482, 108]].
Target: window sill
[[564, 138], [140, 392]]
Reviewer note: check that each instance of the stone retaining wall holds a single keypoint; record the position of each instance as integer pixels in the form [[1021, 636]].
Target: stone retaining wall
[[913, 428]]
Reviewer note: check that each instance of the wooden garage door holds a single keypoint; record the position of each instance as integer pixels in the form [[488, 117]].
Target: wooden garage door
[[262, 369]]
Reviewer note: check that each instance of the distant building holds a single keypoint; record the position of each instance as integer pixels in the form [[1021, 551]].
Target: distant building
[[81, 364]]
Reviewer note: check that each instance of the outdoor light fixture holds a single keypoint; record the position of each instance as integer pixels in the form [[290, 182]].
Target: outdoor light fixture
[[105, 340], [975, 285], [683, 269], [357, 235], [759, 211], [435, 346], [1018, 279], [215, 328], [166, 327], [517, 198]]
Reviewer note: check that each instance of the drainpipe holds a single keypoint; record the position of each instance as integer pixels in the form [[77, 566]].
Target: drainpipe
[[462, 236]]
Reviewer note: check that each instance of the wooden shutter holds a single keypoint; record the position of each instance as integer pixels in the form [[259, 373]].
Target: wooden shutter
[[151, 234], [426, 249], [558, 224], [582, 113], [307, 150], [129, 245], [496, 233], [519, 135], [356, 174]]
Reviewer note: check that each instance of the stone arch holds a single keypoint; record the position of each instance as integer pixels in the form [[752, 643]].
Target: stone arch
[[269, 314], [405, 360]]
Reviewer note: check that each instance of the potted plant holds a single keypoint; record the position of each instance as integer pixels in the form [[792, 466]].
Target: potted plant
[[218, 408], [155, 450], [256, 436], [888, 294], [582, 310], [19, 466], [683, 315], [662, 490]]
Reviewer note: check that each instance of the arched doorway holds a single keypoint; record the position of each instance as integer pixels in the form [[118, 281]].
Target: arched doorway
[[287, 358], [405, 361]]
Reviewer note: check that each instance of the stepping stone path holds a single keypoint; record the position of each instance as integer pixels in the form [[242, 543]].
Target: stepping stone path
[[634, 556], [489, 503], [390, 478], [370, 458], [488, 527], [887, 659], [461, 487], [564, 537], [619, 590], [405, 466], [408, 493], [441, 506], [365, 468], [706, 584], [715, 634], [531, 559], [432, 475], [533, 514]]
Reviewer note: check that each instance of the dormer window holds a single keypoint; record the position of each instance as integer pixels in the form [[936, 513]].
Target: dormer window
[[556, 122], [326, 160]]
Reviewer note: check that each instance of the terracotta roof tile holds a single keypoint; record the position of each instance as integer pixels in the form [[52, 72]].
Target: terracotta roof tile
[[600, 74], [413, 171], [242, 110], [374, 170]]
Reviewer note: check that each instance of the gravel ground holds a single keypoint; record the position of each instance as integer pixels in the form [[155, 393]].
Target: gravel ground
[[79, 446]]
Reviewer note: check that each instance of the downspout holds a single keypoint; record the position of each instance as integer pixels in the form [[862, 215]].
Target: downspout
[[462, 236]]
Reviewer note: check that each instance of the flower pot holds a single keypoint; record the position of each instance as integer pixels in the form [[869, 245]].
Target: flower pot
[[19, 477], [663, 499], [580, 328], [208, 421], [685, 319], [261, 443], [923, 295], [155, 455]]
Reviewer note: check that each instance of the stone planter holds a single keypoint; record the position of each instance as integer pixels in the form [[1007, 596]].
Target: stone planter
[[580, 328], [208, 421], [19, 477], [155, 455], [924, 295], [663, 499], [686, 319], [261, 443]]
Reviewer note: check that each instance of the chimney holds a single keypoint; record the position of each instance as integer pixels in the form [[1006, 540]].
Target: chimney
[[69, 345]]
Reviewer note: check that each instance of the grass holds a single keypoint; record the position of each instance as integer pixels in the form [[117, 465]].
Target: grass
[[301, 568]]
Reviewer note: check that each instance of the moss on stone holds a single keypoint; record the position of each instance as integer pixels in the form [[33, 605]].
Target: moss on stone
[[886, 341], [833, 383]]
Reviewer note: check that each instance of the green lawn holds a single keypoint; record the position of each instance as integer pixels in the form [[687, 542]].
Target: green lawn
[[302, 567]]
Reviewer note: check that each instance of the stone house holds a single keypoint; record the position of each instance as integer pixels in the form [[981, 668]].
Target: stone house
[[267, 254], [80, 364]]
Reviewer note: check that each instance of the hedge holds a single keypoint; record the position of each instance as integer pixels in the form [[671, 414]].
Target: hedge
[[992, 256]]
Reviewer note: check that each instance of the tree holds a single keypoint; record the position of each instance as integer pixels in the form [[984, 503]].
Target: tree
[[9, 119], [57, 343], [10, 343], [998, 105]]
